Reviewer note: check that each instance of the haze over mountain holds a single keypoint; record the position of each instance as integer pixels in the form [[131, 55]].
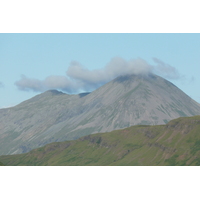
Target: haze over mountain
[[126, 101]]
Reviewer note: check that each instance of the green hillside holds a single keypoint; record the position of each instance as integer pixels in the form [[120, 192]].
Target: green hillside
[[176, 143], [1, 164]]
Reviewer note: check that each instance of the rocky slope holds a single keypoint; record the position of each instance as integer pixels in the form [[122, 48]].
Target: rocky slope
[[126, 101]]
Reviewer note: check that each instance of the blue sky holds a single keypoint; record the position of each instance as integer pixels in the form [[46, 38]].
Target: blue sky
[[38, 56]]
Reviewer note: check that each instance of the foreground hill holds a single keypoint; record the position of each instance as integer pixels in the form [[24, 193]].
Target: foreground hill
[[177, 143], [126, 101]]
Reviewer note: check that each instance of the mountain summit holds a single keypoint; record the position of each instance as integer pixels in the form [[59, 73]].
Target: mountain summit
[[126, 101]]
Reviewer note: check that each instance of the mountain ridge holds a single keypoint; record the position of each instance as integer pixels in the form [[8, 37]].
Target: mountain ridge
[[128, 100]]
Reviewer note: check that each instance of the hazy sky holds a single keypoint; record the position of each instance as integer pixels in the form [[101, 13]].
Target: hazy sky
[[33, 63]]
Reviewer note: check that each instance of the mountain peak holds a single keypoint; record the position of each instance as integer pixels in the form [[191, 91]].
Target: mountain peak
[[54, 92], [126, 101], [132, 77]]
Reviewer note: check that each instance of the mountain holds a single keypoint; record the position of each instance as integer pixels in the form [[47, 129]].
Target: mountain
[[126, 101], [176, 143]]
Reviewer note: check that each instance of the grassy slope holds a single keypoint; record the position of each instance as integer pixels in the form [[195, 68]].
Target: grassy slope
[[177, 143], [1, 164]]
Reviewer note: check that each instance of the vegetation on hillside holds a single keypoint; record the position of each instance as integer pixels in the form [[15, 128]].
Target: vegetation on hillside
[[1, 164], [177, 143]]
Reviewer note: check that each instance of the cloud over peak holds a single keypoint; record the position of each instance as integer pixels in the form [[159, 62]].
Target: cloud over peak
[[78, 78], [36, 85], [165, 70]]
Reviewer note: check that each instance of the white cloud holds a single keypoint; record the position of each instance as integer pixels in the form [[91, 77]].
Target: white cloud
[[78, 78], [51, 82], [27, 84], [116, 67]]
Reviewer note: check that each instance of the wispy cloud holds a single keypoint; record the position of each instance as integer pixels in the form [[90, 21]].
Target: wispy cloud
[[165, 70], [78, 78], [51, 82]]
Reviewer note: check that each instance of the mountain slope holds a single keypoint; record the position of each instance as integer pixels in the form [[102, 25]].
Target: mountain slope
[[131, 100], [26, 121], [176, 143], [127, 100]]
